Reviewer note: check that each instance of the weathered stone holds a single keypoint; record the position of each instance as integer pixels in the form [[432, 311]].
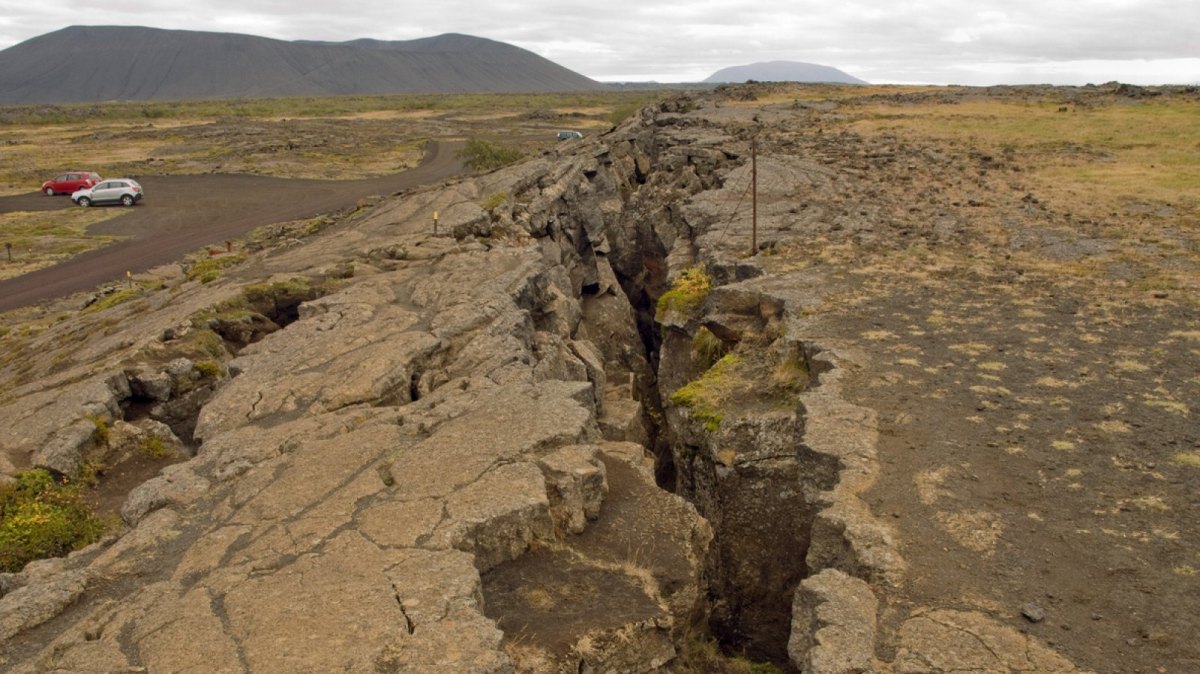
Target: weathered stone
[[138, 550], [40, 601], [150, 383], [64, 450], [833, 625], [500, 515], [463, 641], [575, 484], [186, 633], [958, 641], [176, 485], [432, 420]]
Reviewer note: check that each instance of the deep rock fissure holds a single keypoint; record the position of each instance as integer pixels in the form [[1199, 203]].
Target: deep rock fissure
[[760, 512], [761, 516]]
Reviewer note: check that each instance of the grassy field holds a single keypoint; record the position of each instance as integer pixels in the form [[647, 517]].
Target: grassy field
[[43, 238], [1022, 265], [329, 138]]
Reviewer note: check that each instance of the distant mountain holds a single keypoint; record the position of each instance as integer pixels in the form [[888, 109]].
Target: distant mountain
[[102, 63], [783, 71]]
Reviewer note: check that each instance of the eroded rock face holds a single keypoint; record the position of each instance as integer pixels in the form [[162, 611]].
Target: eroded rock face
[[424, 424], [459, 445]]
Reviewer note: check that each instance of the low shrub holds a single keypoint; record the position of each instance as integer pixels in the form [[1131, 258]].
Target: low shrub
[[481, 155], [209, 369], [42, 517]]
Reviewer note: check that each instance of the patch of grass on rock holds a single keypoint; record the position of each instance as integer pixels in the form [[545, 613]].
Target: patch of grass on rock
[[41, 517], [703, 396], [686, 295], [210, 269]]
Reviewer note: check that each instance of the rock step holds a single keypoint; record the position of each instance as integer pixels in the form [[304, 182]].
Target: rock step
[[614, 597]]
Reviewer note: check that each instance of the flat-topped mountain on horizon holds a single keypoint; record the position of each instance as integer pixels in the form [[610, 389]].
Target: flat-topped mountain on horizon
[[103, 63], [782, 71]]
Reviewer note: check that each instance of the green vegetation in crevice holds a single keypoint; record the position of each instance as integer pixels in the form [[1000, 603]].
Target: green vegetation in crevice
[[686, 295], [122, 296], [205, 341], [482, 155], [707, 347], [101, 434], [209, 369], [705, 395], [41, 517], [153, 447]]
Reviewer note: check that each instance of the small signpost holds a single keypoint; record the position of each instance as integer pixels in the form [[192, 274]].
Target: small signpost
[[754, 196]]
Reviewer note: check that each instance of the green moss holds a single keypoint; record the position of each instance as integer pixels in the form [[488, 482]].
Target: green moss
[[209, 342], [209, 369], [704, 396], [494, 201], [153, 447], [112, 300], [686, 295], [41, 517], [267, 295], [101, 433], [210, 269]]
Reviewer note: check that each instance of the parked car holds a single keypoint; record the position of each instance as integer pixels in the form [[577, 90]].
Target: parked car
[[125, 191], [70, 182], [569, 135]]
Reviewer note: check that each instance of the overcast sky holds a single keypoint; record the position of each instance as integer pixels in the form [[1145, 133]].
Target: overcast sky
[[900, 41]]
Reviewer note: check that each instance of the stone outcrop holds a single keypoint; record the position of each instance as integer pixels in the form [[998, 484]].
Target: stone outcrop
[[450, 460]]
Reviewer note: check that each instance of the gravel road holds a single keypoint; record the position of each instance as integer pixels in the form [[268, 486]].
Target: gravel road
[[183, 213]]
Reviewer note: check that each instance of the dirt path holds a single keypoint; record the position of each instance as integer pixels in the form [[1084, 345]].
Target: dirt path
[[183, 213]]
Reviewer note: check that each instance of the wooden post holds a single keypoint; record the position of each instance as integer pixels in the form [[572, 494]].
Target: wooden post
[[435, 219], [8, 247], [754, 196]]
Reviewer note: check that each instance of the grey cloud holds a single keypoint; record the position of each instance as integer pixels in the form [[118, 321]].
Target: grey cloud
[[920, 40]]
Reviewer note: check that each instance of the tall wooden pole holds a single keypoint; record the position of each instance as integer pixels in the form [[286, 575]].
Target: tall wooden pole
[[754, 196]]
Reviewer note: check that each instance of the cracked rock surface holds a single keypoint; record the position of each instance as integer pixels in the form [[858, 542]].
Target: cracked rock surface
[[451, 460]]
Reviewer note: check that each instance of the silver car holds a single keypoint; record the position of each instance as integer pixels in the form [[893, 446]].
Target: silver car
[[124, 191]]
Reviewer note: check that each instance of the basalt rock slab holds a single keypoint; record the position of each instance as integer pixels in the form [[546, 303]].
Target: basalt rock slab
[[413, 473]]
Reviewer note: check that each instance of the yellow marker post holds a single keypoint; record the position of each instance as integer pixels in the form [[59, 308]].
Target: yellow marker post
[[435, 219], [129, 278]]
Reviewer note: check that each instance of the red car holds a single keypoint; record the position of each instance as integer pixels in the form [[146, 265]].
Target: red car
[[70, 182]]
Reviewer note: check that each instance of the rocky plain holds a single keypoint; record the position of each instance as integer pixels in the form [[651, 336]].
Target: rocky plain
[[575, 415]]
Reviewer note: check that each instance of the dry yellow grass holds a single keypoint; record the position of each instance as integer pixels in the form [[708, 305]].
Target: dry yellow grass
[[44, 238]]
